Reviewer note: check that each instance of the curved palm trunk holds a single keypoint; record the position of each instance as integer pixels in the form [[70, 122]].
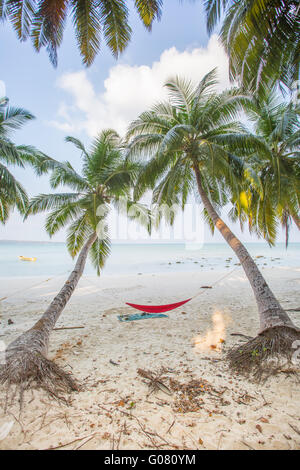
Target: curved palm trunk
[[270, 311], [26, 357], [37, 338]]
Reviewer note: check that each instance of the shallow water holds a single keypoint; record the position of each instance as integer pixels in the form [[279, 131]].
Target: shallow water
[[53, 258]]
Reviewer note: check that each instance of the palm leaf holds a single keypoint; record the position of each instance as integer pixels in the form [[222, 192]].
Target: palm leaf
[[78, 233], [116, 30], [149, 10], [87, 24], [99, 253]]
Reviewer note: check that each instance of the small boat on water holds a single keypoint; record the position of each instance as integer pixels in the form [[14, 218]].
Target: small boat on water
[[23, 258]]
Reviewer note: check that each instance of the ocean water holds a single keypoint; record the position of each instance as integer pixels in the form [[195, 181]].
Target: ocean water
[[53, 258]]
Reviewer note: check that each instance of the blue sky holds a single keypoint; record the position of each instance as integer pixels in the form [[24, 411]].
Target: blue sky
[[78, 101]]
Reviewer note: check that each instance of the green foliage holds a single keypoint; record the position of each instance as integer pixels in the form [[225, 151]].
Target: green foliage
[[44, 23], [273, 176], [197, 127], [12, 194], [261, 38], [107, 177]]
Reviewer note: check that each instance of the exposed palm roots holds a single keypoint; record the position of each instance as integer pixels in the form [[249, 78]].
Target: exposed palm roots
[[26, 369], [267, 354]]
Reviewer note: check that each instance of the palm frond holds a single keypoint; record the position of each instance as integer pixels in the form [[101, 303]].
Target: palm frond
[[99, 253], [149, 10], [48, 202], [87, 24], [116, 30], [78, 233], [63, 215]]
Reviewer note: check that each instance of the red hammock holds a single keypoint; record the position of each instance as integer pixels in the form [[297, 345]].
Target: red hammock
[[158, 308]]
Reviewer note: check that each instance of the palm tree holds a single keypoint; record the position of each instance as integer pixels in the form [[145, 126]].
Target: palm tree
[[44, 22], [106, 177], [261, 39], [274, 194], [12, 193], [191, 141]]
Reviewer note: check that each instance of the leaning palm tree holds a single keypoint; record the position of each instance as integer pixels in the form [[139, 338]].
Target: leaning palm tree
[[44, 23], [190, 141], [12, 193], [262, 39], [275, 192], [106, 177]]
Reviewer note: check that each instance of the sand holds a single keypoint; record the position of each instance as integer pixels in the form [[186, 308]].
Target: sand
[[209, 407]]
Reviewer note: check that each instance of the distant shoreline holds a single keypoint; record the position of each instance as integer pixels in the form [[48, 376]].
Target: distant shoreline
[[152, 242]]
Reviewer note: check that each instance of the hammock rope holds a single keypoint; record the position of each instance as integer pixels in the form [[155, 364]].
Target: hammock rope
[[144, 308], [168, 307]]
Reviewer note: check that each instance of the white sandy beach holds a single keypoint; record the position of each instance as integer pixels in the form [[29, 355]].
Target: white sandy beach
[[115, 409]]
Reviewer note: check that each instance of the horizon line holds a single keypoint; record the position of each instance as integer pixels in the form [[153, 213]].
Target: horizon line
[[144, 242]]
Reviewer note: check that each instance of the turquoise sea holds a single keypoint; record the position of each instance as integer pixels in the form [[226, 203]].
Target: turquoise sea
[[53, 258]]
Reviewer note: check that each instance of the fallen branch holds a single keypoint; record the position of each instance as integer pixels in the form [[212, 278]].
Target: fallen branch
[[240, 334], [68, 328], [170, 427], [294, 428], [87, 439], [72, 442]]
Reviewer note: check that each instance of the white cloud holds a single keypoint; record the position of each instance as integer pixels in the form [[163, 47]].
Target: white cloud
[[129, 90]]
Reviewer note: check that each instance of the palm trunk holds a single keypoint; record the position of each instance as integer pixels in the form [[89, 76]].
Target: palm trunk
[[271, 313], [26, 357], [37, 338]]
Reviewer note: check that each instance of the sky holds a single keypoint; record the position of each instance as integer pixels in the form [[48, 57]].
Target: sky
[[79, 101]]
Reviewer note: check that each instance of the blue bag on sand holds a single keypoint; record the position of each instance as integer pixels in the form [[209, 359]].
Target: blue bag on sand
[[140, 316]]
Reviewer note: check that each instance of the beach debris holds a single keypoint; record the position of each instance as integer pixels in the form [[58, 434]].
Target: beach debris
[[245, 399], [189, 396], [83, 438], [206, 287], [68, 328], [155, 381], [10, 322], [214, 337], [242, 335], [113, 363], [294, 428], [264, 420], [259, 428]]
